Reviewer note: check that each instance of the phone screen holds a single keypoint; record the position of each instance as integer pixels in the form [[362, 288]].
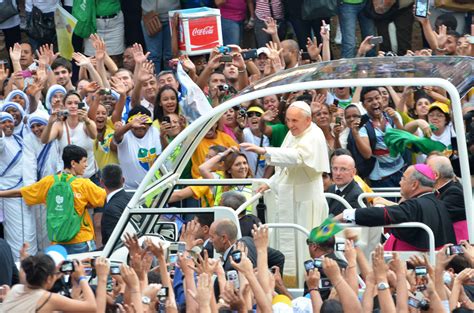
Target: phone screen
[[421, 8]]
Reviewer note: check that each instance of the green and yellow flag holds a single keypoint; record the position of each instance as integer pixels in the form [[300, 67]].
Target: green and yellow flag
[[324, 231]]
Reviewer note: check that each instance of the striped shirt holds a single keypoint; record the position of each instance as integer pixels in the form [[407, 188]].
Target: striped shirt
[[262, 9]]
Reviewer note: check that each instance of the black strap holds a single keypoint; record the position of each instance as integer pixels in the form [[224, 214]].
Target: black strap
[[46, 301]]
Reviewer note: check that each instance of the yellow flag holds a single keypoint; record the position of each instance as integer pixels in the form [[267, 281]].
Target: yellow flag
[[65, 24]]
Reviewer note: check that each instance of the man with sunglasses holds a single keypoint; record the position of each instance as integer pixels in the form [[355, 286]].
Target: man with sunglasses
[[252, 134]]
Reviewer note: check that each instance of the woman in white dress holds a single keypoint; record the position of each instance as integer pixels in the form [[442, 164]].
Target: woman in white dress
[[18, 220], [39, 160], [73, 127]]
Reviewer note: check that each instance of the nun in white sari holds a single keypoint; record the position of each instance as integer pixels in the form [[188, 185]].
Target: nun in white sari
[[39, 160], [298, 186], [17, 218]]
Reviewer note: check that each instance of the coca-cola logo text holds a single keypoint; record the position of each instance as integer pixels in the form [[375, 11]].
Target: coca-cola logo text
[[208, 30]]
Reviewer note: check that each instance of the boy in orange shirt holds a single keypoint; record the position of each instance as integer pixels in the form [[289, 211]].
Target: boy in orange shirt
[[86, 195]]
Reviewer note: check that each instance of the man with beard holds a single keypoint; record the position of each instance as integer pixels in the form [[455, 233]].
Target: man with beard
[[62, 70], [17, 218], [138, 146], [291, 53]]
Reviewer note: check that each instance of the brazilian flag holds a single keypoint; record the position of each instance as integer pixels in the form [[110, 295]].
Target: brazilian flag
[[324, 231], [398, 141]]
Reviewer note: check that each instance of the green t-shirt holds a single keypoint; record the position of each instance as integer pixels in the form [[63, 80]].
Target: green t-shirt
[[278, 134], [107, 7]]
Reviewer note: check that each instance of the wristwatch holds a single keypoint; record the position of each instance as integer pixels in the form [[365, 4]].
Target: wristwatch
[[383, 286], [146, 300]]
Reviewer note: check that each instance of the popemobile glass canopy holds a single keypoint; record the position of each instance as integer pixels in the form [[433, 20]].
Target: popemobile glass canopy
[[457, 70]]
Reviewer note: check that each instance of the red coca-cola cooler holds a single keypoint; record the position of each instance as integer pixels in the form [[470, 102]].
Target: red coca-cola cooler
[[199, 30]]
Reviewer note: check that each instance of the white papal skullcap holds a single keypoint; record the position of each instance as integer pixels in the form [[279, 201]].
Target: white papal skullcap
[[301, 105]]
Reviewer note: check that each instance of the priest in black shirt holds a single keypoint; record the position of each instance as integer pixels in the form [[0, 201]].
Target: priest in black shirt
[[450, 191], [419, 205]]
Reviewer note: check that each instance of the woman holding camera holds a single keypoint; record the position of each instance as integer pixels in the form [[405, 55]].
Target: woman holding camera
[[40, 274], [72, 126]]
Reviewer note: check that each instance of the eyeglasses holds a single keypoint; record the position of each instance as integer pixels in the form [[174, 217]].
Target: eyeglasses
[[252, 114]]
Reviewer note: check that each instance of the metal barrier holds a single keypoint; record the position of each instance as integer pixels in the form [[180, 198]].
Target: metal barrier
[[223, 182], [338, 198], [376, 194], [431, 250], [386, 189], [250, 201]]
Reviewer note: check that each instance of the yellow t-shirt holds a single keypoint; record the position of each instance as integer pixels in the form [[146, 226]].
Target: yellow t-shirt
[[205, 193], [363, 185], [102, 152], [86, 195], [199, 156]]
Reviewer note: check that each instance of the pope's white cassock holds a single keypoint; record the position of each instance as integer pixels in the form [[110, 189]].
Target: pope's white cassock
[[18, 220], [298, 185]]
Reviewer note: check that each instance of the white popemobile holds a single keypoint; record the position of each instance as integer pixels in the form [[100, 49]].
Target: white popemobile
[[147, 213]]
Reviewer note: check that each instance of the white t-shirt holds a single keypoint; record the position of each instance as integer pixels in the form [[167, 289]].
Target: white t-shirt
[[253, 157], [137, 155], [445, 138]]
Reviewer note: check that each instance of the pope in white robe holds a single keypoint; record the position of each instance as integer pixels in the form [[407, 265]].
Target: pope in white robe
[[298, 185], [18, 220]]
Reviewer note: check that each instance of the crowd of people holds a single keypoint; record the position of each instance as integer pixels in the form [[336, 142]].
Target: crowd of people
[[85, 132]]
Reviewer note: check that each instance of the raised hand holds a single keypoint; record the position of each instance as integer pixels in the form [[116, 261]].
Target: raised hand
[[145, 71], [206, 265], [260, 236], [92, 87], [312, 278], [15, 52], [81, 60], [131, 242], [313, 48], [138, 54], [379, 266], [99, 45], [102, 267], [187, 63], [189, 233], [365, 46], [325, 33], [203, 292], [442, 36], [4, 72], [46, 54], [118, 86], [271, 26], [332, 270], [129, 277], [156, 249]]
